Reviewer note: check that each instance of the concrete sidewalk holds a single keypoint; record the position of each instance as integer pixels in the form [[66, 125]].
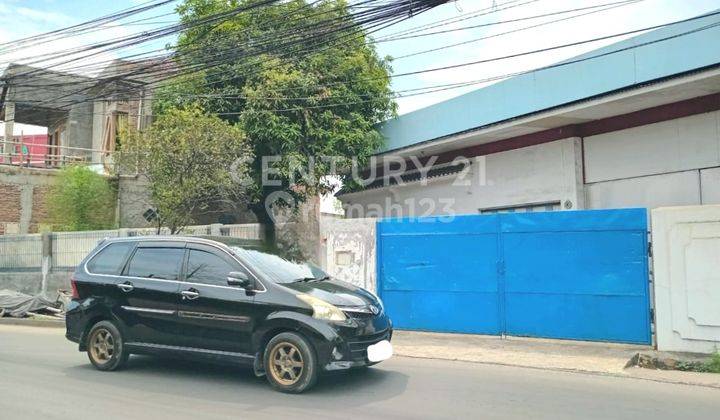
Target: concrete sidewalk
[[562, 355]]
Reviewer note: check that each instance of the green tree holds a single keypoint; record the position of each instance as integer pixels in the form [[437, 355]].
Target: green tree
[[194, 164], [308, 89], [82, 200]]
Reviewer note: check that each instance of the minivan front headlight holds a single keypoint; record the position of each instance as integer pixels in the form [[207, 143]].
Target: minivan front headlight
[[322, 309]]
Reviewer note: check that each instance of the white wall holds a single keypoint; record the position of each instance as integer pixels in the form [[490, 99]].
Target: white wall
[[543, 173], [350, 250], [686, 266], [669, 163], [550, 172], [710, 183], [24, 129], [669, 146], [674, 189]]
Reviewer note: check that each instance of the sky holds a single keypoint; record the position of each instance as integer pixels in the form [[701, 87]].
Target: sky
[[22, 18], [601, 23]]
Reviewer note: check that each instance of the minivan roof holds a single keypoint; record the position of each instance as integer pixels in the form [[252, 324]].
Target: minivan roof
[[210, 240], [159, 238]]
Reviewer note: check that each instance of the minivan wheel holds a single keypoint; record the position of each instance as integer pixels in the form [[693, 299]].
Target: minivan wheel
[[290, 363], [105, 347]]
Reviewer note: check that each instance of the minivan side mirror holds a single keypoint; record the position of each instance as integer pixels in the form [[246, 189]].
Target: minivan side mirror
[[240, 279]]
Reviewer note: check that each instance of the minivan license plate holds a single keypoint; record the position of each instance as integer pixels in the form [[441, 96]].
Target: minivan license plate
[[380, 351]]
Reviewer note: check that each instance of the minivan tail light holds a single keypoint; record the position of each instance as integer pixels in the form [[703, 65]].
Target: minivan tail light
[[73, 285]]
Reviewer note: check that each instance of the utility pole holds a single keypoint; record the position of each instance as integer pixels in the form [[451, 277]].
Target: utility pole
[[9, 123]]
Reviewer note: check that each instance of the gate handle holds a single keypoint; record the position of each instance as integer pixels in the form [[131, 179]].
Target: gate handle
[[126, 287]]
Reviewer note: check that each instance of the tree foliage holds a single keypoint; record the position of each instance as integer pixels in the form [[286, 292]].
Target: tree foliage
[[194, 163], [317, 96], [82, 200]]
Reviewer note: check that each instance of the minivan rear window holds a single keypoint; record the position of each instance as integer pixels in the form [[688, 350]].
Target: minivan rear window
[[156, 263], [110, 259]]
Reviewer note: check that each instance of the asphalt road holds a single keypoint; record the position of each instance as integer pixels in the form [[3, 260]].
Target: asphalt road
[[43, 376]]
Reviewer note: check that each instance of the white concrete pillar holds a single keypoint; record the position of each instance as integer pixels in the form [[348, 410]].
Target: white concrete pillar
[[26, 207], [686, 269], [46, 261], [572, 170]]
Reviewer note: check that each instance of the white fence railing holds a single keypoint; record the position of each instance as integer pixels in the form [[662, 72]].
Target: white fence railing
[[25, 252], [43, 155], [248, 231]]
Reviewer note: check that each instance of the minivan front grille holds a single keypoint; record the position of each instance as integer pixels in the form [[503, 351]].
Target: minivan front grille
[[359, 315], [361, 312]]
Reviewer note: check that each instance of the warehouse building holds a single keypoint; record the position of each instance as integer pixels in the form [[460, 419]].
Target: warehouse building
[[633, 124]]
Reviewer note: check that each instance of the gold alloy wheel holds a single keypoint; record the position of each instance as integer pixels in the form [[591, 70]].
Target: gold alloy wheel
[[286, 363], [102, 346]]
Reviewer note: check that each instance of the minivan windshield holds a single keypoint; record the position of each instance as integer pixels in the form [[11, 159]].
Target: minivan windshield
[[279, 269]]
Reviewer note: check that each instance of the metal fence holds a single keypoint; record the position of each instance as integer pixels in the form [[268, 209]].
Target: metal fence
[[189, 231], [25, 252], [69, 248], [20, 252]]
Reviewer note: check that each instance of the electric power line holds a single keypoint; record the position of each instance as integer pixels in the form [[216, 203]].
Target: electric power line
[[439, 88]]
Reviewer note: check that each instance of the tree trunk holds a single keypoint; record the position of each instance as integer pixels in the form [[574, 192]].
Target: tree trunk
[[264, 218]]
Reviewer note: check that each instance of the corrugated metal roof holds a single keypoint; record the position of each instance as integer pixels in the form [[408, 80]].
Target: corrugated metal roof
[[655, 55]]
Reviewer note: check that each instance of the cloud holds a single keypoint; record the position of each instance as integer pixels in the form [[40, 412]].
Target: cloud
[[22, 22], [43, 16]]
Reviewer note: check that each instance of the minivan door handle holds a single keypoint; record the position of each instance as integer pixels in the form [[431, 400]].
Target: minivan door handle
[[126, 287], [190, 294]]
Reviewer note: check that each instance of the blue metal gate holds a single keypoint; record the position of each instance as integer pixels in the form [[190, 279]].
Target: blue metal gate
[[574, 275]]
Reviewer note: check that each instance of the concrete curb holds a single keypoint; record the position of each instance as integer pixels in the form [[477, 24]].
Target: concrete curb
[[681, 361], [30, 322], [569, 370]]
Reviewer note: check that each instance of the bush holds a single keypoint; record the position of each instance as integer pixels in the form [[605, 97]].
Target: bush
[[714, 364], [82, 200]]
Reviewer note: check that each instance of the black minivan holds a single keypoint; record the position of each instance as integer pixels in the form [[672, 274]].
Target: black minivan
[[196, 297]]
